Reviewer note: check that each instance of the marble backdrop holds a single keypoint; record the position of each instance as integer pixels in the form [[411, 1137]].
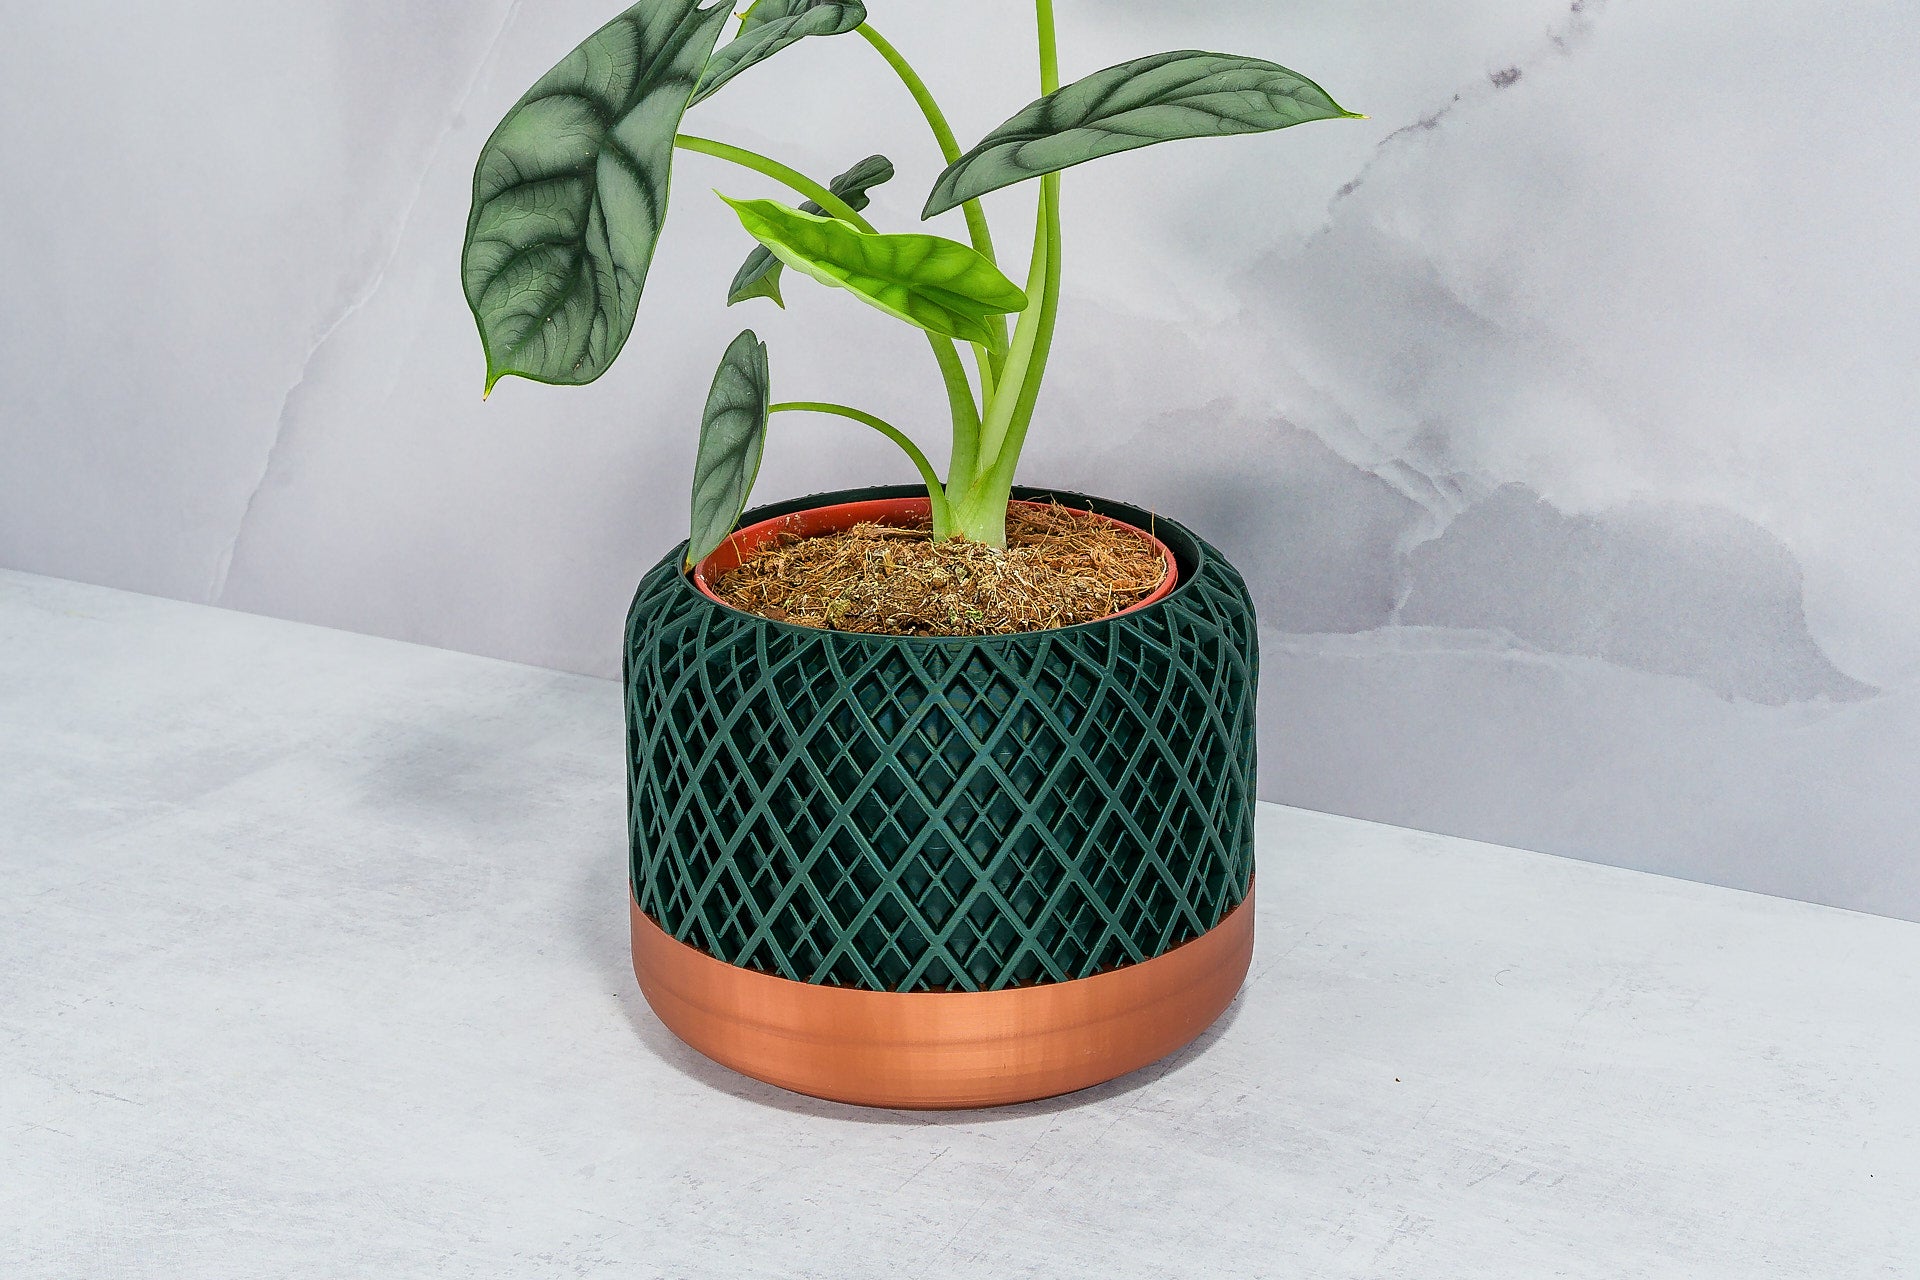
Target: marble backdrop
[[1562, 414]]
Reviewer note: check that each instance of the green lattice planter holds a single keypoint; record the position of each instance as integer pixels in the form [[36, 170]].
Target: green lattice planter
[[918, 817]]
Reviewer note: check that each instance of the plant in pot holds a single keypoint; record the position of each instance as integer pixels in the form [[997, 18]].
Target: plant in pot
[[915, 847]]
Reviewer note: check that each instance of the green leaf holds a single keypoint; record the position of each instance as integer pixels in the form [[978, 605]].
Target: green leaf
[[1136, 104], [759, 276], [733, 435], [772, 25], [939, 285], [571, 190]]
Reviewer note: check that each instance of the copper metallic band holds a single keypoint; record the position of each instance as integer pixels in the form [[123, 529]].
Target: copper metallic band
[[938, 1050]]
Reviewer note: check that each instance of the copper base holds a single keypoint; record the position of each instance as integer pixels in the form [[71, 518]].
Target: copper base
[[938, 1050]]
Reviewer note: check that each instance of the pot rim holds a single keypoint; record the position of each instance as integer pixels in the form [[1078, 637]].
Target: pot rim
[[743, 542]]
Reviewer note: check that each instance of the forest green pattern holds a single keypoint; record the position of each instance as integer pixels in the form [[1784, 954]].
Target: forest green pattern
[[733, 436], [773, 25], [759, 275], [937, 284], [1185, 94], [942, 814], [570, 193]]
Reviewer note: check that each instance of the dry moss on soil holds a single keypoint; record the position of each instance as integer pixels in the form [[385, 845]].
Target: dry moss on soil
[[1061, 567]]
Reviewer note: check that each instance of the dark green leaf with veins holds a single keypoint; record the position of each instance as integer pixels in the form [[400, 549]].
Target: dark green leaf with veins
[[771, 26], [733, 435], [759, 276], [571, 190], [1136, 104]]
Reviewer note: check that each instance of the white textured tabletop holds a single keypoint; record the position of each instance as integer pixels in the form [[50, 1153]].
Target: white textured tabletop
[[313, 964]]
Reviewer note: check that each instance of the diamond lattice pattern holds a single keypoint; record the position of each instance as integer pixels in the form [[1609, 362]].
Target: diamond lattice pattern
[[943, 815]]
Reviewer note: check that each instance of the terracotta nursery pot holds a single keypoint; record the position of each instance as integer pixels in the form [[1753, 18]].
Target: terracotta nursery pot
[[941, 872]]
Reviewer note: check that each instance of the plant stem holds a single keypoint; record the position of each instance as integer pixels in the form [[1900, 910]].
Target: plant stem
[[1000, 410], [1049, 47], [980, 500], [942, 518], [1008, 457], [1048, 307], [991, 363], [965, 411], [780, 173], [977, 228], [962, 409]]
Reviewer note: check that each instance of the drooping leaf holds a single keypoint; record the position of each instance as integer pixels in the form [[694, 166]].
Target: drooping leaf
[[773, 25], [764, 11], [759, 276], [570, 192], [733, 435], [939, 285], [1136, 104]]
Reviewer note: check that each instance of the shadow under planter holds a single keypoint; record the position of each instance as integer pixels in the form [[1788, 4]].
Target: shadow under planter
[[943, 872]]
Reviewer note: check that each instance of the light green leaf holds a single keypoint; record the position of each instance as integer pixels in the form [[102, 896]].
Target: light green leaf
[[733, 435], [938, 285], [1136, 104], [759, 276], [571, 190], [772, 25]]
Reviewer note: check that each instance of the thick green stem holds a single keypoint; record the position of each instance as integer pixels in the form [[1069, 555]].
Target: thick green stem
[[979, 500], [999, 412], [1008, 457], [960, 402], [990, 362], [1049, 47], [962, 409], [942, 516]]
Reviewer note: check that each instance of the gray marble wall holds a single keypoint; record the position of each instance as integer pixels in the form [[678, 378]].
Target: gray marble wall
[[1562, 413]]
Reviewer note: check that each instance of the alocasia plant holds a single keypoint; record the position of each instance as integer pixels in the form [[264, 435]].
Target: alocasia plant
[[571, 192]]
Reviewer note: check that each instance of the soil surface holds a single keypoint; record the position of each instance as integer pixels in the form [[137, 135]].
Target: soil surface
[[1061, 567]]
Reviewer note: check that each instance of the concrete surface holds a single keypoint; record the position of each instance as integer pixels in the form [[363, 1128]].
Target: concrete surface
[[313, 964]]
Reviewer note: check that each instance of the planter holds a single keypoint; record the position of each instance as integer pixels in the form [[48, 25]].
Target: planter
[[838, 517], [943, 872]]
